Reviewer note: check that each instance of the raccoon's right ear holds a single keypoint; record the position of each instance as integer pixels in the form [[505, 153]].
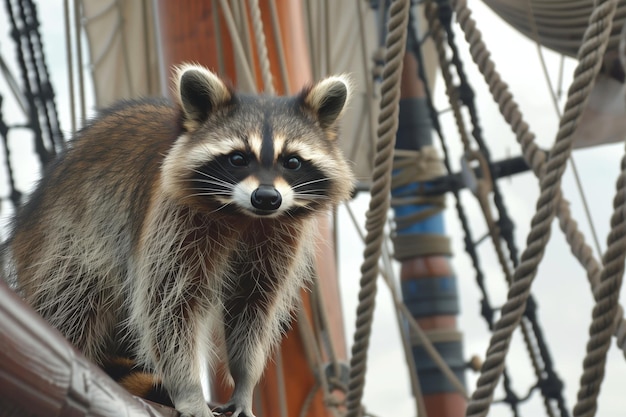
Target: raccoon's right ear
[[199, 92]]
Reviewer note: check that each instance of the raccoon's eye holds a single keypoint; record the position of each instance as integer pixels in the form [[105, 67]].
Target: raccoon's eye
[[293, 163], [238, 159]]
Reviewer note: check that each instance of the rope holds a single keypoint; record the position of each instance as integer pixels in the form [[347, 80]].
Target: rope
[[604, 312], [314, 358], [379, 203], [219, 43], [487, 311], [534, 156], [410, 166], [278, 41], [509, 109], [261, 46], [79, 60], [314, 48], [239, 49], [24, 60], [593, 46], [70, 65], [539, 358], [402, 310], [15, 195], [557, 110], [416, 387]]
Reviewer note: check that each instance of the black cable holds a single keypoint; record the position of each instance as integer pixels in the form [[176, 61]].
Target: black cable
[[15, 195], [33, 120], [45, 89], [37, 89]]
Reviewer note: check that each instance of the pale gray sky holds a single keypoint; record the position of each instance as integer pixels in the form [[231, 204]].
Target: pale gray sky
[[560, 287]]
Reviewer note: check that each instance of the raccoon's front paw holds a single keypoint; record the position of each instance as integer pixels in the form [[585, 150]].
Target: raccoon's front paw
[[194, 410], [235, 409]]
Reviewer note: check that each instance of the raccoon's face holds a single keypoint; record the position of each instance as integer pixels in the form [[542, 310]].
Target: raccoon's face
[[260, 156]]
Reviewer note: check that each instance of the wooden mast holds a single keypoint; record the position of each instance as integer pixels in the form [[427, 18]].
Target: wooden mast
[[188, 33], [427, 280]]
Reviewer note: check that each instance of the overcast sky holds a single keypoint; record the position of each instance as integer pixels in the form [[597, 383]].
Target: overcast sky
[[560, 287]]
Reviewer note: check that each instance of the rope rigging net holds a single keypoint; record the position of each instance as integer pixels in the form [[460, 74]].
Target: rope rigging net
[[524, 312], [462, 95], [34, 95]]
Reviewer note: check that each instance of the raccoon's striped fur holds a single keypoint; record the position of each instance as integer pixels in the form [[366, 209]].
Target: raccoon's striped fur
[[183, 231], [136, 379]]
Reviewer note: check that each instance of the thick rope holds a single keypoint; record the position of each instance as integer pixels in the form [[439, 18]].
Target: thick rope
[[402, 310], [592, 49], [555, 103], [261, 46], [604, 312], [379, 203], [79, 61], [277, 38], [69, 65], [534, 156]]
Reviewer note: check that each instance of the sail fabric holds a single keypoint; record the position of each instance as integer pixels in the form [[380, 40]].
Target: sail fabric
[[555, 24], [123, 55]]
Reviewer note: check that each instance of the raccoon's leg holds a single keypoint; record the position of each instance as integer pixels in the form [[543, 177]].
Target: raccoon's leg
[[169, 321], [251, 328]]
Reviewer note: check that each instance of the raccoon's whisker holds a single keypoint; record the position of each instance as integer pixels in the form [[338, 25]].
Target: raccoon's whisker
[[215, 191], [217, 180], [302, 184], [222, 184], [314, 191], [220, 208], [311, 196], [225, 172], [206, 195]]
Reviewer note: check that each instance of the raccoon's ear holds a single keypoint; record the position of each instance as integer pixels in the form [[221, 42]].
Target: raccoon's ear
[[199, 92], [327, 99]]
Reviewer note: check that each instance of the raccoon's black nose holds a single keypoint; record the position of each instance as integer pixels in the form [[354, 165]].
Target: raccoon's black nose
[[266, 197]]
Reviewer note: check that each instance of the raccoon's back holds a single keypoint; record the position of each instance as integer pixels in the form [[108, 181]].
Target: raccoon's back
[[92, 199]]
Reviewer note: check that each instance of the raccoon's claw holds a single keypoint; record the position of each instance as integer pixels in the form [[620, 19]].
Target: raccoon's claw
[[194, 410], [234, 409]]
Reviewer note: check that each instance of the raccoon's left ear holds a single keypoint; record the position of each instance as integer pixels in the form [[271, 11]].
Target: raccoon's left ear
[[327, 99], [199, 93]]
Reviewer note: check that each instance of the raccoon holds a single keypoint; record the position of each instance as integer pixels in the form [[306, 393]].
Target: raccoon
[[137, 380], [183, 231]]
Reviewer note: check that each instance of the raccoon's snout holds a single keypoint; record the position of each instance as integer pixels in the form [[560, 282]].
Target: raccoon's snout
[[266, 197]]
